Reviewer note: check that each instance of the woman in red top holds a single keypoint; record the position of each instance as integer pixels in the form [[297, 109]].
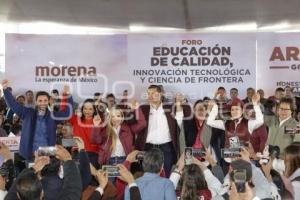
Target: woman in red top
[[116, 137], [238, 128], [82, 127]]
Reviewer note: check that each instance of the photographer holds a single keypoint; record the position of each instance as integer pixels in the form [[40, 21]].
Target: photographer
[[151, 181], [7, 172], [125, 175], [254, 176], [292, 170], [197, 181], [28, 185]]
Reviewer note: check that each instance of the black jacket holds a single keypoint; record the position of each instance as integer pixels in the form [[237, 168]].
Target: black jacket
[[71, 188]]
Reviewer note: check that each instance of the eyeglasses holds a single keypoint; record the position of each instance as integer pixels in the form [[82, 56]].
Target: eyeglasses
[[284, 109]]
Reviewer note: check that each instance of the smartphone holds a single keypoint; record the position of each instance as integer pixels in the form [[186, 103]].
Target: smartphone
[[140, 156], [240, 178], [46, 151], [68, 142], [111, 170], [188, 155], [274, 151], [198, 152], [230, 153]]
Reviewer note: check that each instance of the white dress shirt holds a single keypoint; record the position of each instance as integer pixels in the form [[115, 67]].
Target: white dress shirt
[[158, 128], [282, 121], [3, 194], [252, 123], [119, 150]]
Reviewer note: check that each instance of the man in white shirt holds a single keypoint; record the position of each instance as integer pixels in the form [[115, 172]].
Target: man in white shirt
[[162, 129]]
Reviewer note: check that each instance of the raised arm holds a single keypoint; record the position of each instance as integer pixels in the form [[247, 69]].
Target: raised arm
[[179, 115], [211, 120], [140, 123], [72, 186], [84, 164], [12, 103], [66, 110], [259, 118]]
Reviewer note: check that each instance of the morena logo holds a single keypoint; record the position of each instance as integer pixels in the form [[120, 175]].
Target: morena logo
[[65, 71]]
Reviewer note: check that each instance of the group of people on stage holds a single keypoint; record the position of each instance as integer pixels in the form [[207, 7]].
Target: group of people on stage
[[241, 148]]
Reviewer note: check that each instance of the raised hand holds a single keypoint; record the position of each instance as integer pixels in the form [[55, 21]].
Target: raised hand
[[66, 89], [131, 157], [40, 162], [79, 142], [62, 153], [97, 120], [5, 152], [134, 104], [125, 174], [256, 99], [4, 83], [179, 99], [102, 179]]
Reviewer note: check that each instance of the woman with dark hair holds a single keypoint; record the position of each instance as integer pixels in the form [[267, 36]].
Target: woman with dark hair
[[195, 181], [82, 127], [292, 167], [281, 188], [238, 129], [288, 184], [193, 185]]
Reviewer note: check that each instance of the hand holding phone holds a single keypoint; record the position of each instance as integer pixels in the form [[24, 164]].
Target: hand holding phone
[[188, 155], [140, 155], [46, 151], [111, 170], [240, 179]]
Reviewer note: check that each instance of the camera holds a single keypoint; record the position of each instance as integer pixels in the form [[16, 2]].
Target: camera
[[140, 155], [46, 151], [112, 171], [274, 151]]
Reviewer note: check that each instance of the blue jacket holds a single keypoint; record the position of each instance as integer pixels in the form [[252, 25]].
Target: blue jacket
[[28, 115], [153, 187]]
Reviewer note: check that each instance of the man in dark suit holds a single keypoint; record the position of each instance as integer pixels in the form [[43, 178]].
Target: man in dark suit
[[250, 93], [162, 128]]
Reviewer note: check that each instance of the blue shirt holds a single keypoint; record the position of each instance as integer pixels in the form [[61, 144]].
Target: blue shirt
[[40, 134], [154, 187]]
